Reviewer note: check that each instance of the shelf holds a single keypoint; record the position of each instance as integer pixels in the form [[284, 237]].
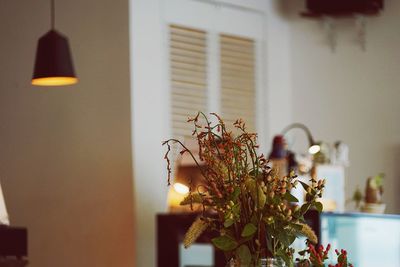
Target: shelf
[[317, 15]]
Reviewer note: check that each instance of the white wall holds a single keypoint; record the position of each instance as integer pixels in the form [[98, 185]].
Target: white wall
[[150, 103], [65, 153], [294, 51], [352, 95], [150, 118], [278, 71]]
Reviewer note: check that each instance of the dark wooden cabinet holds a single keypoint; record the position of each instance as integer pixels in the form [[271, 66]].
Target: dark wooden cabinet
[[13, 263], [171, 229], [13, 246]]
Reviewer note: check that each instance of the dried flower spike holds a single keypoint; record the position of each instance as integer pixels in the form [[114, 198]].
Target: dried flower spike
[[195, 230]]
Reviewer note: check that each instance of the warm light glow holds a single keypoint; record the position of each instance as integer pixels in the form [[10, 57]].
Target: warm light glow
[[314, 149], [181, 188], [54, 81]]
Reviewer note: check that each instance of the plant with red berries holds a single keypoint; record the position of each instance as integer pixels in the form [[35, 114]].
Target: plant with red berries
[[316, 257], [342, 259]]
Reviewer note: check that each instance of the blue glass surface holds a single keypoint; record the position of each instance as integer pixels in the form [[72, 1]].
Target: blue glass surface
[[370, 240]]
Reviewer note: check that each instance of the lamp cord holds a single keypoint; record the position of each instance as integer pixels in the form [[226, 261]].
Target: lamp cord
[[53, 15]]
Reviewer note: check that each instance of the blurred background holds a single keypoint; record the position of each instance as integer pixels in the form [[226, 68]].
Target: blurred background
[[81, 166]]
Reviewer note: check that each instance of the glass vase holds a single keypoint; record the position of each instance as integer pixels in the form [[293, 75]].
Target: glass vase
[[273, 262], [264, 262]]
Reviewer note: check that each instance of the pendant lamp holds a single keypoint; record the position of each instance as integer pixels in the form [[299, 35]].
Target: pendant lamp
[[53, 64]]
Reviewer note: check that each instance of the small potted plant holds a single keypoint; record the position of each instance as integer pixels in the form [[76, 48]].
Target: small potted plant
[[371, 201]]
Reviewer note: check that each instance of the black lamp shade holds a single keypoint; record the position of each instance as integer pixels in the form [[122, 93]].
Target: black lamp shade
[[53, 64]]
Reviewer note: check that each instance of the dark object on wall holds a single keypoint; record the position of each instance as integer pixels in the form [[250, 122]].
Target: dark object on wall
[[53, 64], [278, 148], [343, 7], [171, 229], [13, 241]]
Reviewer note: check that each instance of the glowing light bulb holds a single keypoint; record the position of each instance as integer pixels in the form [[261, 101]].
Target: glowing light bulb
[[314, 149], [54, 81], [181, 188]]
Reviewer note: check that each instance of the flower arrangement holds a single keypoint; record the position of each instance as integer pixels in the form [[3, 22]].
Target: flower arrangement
[[242, 198]]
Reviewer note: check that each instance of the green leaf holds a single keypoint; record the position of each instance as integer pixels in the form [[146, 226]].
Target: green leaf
[[319, 206], [251, 187], [256, 192], [228, 223], [292, 238], [192, 198], [289, 197], [243, 253], [236, 209], [305, 208], [224, 243], [262, 198], [249, 230], [285, 257], [285, 238], [305, 186], [235, 212], [227, 215], [235, 194]]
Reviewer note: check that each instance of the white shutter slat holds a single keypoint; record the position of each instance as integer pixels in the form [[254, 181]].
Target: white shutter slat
[[189, 98], [238, 49], [236, 73], [188, 91], [237, 93], [241, 56], [188, 60], [188, 79], [231, 79], [187, 66], [237, 80], [232, 39], [187, 47], [228, 66], [236, 61], [189, 73], [176, 51], [188, 106], [239, 99], [177, 84], [187, 32], [184, 39], [238, 84]]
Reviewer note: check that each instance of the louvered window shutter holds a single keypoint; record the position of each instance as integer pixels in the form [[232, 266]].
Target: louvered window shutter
[[188, 73], [188, 67], [237, 80]]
